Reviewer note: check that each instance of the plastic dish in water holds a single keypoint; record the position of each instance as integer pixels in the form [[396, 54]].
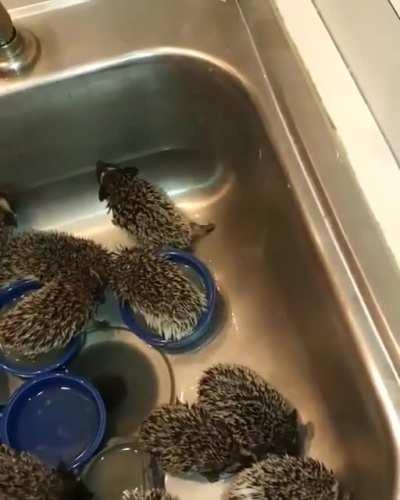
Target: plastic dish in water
[[27, 367], [121, 467], [59, 418], [205, 328]]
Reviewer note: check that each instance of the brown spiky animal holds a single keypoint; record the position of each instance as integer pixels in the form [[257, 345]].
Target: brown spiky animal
[[25, 477], [8, 222], [259, 417], [50, 317], [145, 210], [44, 256], [184, 440], [157, 289], [238, 419], [286, 478]]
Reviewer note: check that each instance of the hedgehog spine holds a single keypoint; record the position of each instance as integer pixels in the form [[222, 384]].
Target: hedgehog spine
[[146, 211], [159, 291], [48, 318], [260, 418], [286, 478], [25, 477]]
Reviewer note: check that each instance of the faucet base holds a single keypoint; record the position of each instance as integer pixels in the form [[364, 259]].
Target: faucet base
[[20, 54]]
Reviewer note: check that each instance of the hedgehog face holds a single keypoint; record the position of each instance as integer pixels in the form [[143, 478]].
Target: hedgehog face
[[7, 216], [288, 439], [106, 184], [109, 174]]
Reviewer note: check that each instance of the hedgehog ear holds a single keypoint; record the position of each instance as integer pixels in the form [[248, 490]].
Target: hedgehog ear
[[131, 170]]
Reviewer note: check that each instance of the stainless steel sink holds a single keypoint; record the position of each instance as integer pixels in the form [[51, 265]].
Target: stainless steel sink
[[237, 138]]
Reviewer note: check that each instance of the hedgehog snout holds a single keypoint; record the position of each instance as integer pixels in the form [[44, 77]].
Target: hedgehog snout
[[103, 171], [103, 194], [289, 439]]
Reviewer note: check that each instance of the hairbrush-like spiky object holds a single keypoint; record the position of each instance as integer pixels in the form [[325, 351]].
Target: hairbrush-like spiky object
[[286, 478], [157, 289], [259, 417], [44, 256], [183, 440], [145, 210], [24, 477], [48, 318], [148, 495], [8, 222]]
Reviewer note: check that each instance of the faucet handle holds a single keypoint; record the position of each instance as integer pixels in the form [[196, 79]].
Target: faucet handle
[[19, 49], [7, 30]]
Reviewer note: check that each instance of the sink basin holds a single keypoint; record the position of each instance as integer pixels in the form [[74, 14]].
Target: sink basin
[[196, 120]]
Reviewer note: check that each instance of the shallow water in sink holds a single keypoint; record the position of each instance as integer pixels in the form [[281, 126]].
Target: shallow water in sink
[[283, 318], [132, 377]]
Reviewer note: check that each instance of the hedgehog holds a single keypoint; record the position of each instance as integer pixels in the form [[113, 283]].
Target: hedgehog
[[146, 211], [25, 477], [158, 290], [49, 318], [184, 441], [8, 222], [259, 417], [148, 495], [286, 478], [44, 256]]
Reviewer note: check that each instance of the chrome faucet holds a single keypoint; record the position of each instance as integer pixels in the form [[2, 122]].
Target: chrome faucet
[[7, 30], [19, 49]]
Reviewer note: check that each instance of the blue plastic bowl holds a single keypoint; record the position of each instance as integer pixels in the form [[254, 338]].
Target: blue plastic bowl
[[58, 417], [9, 296], [204, 329]]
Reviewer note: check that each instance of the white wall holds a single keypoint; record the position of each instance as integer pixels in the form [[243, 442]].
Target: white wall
[[369, 154], [367, 32]]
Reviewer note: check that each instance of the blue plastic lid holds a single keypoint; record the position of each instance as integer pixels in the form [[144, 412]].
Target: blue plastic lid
[[58, 417], [204, 329], [46, 363]]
